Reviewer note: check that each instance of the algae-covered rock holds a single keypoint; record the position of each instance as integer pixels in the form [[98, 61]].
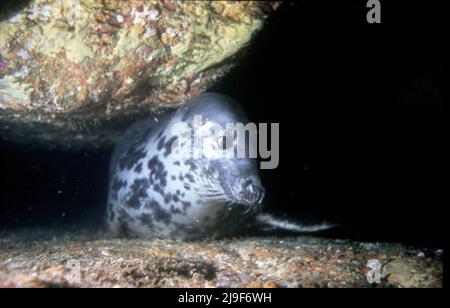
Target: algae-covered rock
[[74, 72], [409, 274]]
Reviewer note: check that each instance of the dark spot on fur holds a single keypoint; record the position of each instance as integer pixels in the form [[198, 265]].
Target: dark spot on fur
[[191, 164], [173, 177], [161, 143], [158, 189], [147, 220], [152, 204], [185, 204], [190, 177], [116, 185], [177, 163], [174, 210], [153, 162], [157, 170], [139, 191], [138, 168], [175, 198], [168, 146], [167, 198], [159, 213]]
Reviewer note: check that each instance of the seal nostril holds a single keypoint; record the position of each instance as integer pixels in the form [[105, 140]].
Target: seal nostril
[[254, 194]]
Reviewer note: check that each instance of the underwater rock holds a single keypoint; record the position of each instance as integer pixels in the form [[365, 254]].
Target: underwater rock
[[83, 260], [409, 274], [76, 72]]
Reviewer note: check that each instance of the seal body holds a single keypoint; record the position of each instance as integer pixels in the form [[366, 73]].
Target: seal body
[[158, 189]]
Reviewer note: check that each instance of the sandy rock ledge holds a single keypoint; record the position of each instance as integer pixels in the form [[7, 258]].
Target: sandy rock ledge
[[80, 261]]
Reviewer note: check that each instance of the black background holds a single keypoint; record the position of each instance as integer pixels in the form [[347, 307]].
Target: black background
[[359, 107]]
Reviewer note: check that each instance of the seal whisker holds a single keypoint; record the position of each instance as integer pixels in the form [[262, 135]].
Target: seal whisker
[[249, 208], [218, 198]]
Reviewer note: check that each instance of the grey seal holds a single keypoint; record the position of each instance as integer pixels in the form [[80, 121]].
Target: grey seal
[[154, 192]]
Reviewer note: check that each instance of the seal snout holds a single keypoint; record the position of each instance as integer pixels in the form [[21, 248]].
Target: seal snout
[[251, 193]]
